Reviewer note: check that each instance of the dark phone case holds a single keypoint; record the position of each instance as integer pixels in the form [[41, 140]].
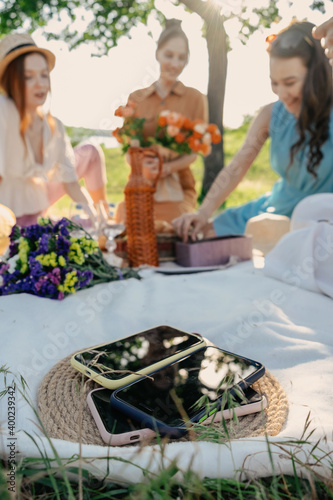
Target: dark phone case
[[176, 432]]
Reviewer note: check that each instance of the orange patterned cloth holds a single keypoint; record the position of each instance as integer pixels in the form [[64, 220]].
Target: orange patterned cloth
[[190, 103]]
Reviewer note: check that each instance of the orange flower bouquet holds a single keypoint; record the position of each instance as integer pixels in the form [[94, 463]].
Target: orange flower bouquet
[[131, 133], [174, 131], [178, 133]]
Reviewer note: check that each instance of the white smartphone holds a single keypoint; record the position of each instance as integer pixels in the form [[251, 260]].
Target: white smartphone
[[116, 364], [117, 429]]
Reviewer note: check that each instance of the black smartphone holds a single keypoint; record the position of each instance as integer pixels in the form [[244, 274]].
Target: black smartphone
[[187, 391], [117, 429], [118, 363]]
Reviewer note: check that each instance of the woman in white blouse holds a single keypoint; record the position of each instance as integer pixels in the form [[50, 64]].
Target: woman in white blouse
[[37, 162]]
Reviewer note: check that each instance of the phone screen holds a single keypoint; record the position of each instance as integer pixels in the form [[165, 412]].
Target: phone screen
[[189, 387], [114, 421], [247, 397], [133, 353]]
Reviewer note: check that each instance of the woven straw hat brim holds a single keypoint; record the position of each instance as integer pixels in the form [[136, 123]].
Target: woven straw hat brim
[[7, 221], [50, 57]]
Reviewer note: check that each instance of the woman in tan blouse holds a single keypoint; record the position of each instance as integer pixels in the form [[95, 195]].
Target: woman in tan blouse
[[175, 192]]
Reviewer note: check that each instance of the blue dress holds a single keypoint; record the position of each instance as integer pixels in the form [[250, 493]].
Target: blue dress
[[294, 185]]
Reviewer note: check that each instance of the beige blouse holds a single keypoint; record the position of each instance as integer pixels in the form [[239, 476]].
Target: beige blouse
[[185, 100], [22, 188], [178, 186]]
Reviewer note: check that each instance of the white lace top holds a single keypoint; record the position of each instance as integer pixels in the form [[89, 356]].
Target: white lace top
[[22, 188]]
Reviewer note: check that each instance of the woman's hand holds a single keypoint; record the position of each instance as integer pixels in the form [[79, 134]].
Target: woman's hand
[[166, 170], [79, 194], [150, 167], [325, 32], [183, 224], [91, 211]]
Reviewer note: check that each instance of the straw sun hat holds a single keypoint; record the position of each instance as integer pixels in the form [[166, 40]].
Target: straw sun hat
[[16, 44], [7, 221], [266, 230]]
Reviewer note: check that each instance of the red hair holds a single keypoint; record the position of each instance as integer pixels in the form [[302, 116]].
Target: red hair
[[13, 83]]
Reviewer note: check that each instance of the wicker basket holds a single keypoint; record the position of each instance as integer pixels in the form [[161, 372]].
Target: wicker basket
[[139, 199], [166, 247]]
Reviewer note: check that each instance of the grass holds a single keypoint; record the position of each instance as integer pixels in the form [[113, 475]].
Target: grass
[[166, 487], [259, 179]]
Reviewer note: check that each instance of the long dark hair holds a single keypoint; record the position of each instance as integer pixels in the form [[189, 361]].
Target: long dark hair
[[14, 86], [317, 100]]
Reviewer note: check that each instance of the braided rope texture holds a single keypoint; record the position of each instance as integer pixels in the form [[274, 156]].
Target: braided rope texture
[[65, 414]]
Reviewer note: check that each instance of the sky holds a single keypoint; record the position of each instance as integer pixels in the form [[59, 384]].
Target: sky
[[86, 90]]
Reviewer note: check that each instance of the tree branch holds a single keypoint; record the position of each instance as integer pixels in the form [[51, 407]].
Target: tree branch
[[207, 10]]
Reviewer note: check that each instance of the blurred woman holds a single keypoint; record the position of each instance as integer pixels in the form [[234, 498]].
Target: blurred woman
[[37, 162], [300, 126], [175, 192]]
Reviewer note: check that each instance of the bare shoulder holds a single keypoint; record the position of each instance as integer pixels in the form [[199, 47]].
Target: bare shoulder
[[259, 128], [262, 119], [265, 113]]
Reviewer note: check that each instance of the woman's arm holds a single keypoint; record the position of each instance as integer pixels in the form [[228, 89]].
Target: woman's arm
[[228, 178], [80, 195], [169, 167]]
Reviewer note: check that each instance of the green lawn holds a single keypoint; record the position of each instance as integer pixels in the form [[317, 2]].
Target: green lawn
[[258, 180]]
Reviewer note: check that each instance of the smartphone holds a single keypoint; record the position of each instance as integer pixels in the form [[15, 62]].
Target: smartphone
[[115, 427], [187, 391], [247, 402], [118, 363]]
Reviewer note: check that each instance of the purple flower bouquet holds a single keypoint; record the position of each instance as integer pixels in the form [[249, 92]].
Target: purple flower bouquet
[[54, 260]]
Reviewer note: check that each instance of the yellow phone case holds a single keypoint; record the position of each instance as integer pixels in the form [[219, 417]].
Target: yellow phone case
[[116, 384]]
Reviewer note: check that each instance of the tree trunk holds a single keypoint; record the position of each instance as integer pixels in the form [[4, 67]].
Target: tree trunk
[[217, 53]]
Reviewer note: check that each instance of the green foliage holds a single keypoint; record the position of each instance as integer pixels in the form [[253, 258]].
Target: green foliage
[[168, 486], [79, 134], [319, 5], [111, 19], [265, 17]]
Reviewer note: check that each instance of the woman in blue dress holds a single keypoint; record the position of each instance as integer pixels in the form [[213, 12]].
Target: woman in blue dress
[[300, 126]]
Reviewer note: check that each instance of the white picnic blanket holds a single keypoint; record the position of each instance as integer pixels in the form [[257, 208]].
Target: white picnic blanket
[[240, 309], [304, 256]]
